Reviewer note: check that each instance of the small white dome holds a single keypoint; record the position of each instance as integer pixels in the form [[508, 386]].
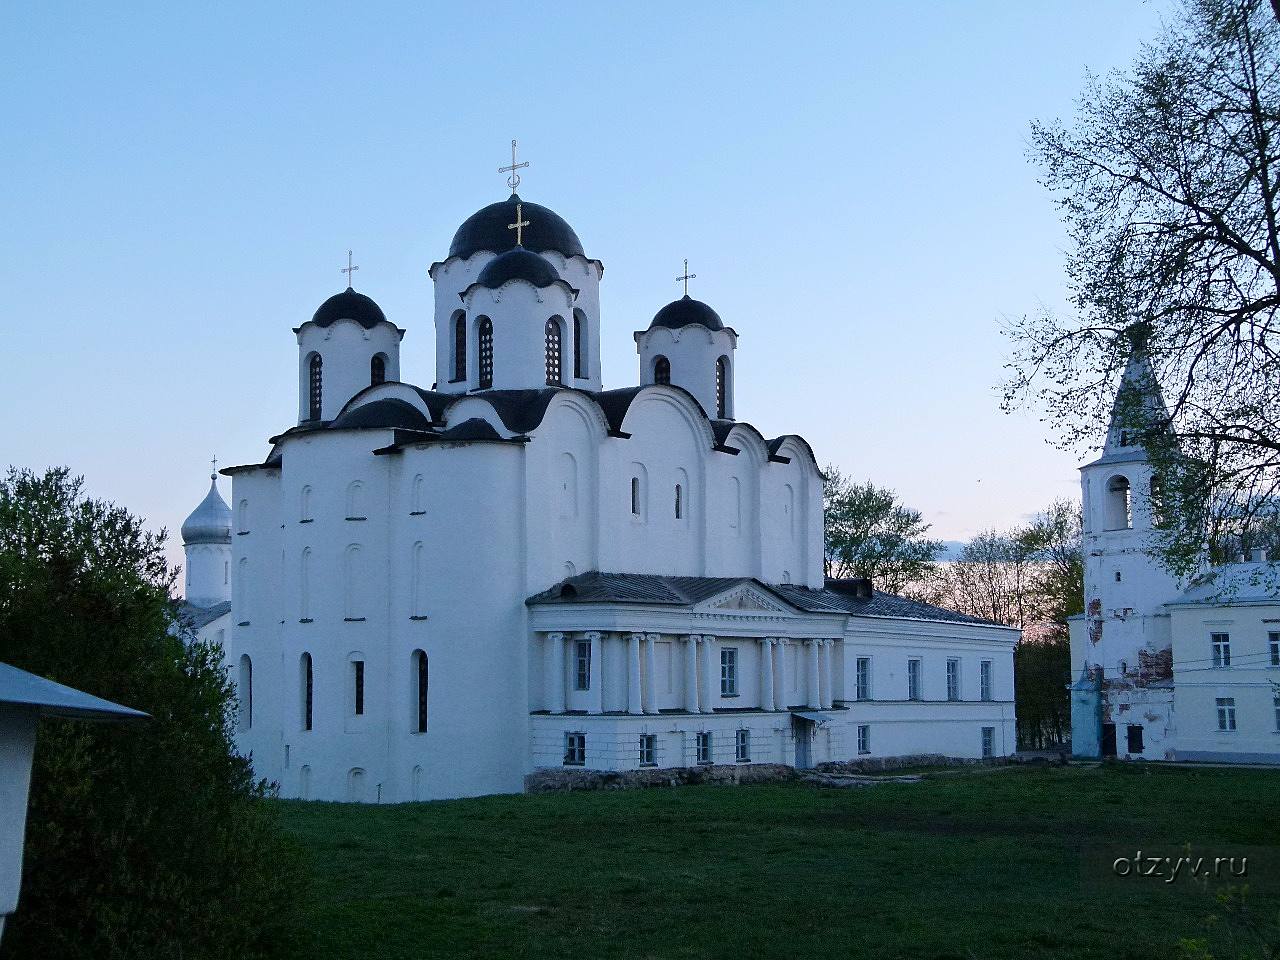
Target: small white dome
[[211, 521]]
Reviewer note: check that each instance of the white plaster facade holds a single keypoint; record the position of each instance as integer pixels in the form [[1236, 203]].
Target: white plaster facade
[[414, 572]]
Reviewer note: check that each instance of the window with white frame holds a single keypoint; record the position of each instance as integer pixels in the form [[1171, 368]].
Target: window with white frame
[[1273, 642], [742, 746], [728, 671], [649, 750], [864, 738], [703, 747], [582, 665], [913, 679], [1226, 713], [988, 741], [863, 687], [575, 749], [984, 679], [953, 679], [1221, 649]]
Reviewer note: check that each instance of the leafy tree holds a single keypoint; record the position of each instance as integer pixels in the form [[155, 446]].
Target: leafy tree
[[148, 839], [1169, 184], [870, 534]]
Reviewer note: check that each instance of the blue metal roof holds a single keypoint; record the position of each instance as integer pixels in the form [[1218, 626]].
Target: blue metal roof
[[56, 700]]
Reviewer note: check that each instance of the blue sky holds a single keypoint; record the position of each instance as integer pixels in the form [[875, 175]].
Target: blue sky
[[848, 181]]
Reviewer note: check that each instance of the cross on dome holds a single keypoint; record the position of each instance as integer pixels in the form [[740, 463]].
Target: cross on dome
[[519, 225], [513, 181], [213, 474], [686, 277], [349, 270]]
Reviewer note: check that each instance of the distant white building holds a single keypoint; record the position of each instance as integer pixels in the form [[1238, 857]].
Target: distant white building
[[1166, 671], [436, 592]]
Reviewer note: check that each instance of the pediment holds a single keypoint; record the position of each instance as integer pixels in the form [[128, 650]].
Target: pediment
[[746, 599]]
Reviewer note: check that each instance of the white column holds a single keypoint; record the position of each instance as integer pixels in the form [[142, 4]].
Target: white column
[[828, 675], [691, 672], [812, 696], [710, 675], [766, 673], [782, 682], [633, 674], [650, 697], [595, 699], [554, 663]]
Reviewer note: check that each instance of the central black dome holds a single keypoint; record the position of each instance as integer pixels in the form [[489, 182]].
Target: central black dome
[[486, 229], [686, 311], [517, 264], [349, 305]]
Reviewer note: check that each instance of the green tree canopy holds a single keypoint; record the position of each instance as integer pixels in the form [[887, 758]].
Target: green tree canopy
[[870, 534], [148, 839]]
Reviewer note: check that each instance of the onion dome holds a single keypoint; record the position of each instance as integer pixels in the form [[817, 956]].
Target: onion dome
[[684, 312], [517, 264], [211, 521], [486, 229], [349, 305]]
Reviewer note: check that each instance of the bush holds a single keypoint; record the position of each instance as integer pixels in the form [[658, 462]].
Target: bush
[[147, 839]]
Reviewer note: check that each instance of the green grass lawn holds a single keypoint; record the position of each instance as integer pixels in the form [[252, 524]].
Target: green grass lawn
[[1009, 863]]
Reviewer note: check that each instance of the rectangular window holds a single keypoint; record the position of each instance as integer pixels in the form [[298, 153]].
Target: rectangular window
[[953, 679], [1221, 649], [1226, 713], [984, 679], [913, 679], [582, 665], [649, 750], [704, 748], [575, 749], [864, 738], [863, 689], [742, 746], [1273, 641], [729, 672], [1135, 738], [359, 679], [988, 741]]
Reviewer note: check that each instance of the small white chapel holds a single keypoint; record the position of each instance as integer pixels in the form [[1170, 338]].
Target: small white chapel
[[433, 592]]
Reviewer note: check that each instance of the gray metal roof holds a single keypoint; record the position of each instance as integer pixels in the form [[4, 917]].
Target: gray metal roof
[[198, 617], [56, 700], [645, 588], [1250, 582]]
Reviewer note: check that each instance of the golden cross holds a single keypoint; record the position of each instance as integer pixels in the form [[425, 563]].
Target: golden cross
[[687, 277], [349, 269], [214, 474], [513, 181], [519, 225]]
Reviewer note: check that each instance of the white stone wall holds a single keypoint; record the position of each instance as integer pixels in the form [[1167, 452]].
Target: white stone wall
[[692, 352], [207, 573], [347, 350]]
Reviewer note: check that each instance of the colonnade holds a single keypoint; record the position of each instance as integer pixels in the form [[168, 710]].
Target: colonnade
[[701, 667]]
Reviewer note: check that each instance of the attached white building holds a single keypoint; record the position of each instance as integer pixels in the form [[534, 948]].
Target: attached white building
[[437, 591], [1167, 671]]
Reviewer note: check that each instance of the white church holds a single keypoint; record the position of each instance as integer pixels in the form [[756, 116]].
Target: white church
[[1167, 670], [431, 593]]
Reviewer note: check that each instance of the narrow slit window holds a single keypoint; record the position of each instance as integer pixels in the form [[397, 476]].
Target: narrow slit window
[[486, 352], [553, 353], [316, 387]]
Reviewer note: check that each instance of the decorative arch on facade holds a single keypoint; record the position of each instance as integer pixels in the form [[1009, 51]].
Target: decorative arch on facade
[[419, 573], [304, 504], [352, 582], [356, 785], [639, 490], [242, 588], [242, 516], [304, 585], [568, 485], [681, 494], [418, 495], [355, 500]]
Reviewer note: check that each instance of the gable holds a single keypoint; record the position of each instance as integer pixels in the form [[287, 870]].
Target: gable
[[745, 598]]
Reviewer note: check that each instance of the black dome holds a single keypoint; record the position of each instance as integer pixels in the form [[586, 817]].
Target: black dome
[[686, 310], [349, 305], [387, 413], [486, 229], [518, 264]]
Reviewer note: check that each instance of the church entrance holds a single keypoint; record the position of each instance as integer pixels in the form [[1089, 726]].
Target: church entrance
[[1108, 739], [802, 729]]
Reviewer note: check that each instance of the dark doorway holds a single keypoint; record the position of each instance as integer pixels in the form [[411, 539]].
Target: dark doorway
[[1108, 739], [802, 729], [1135, 738]]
